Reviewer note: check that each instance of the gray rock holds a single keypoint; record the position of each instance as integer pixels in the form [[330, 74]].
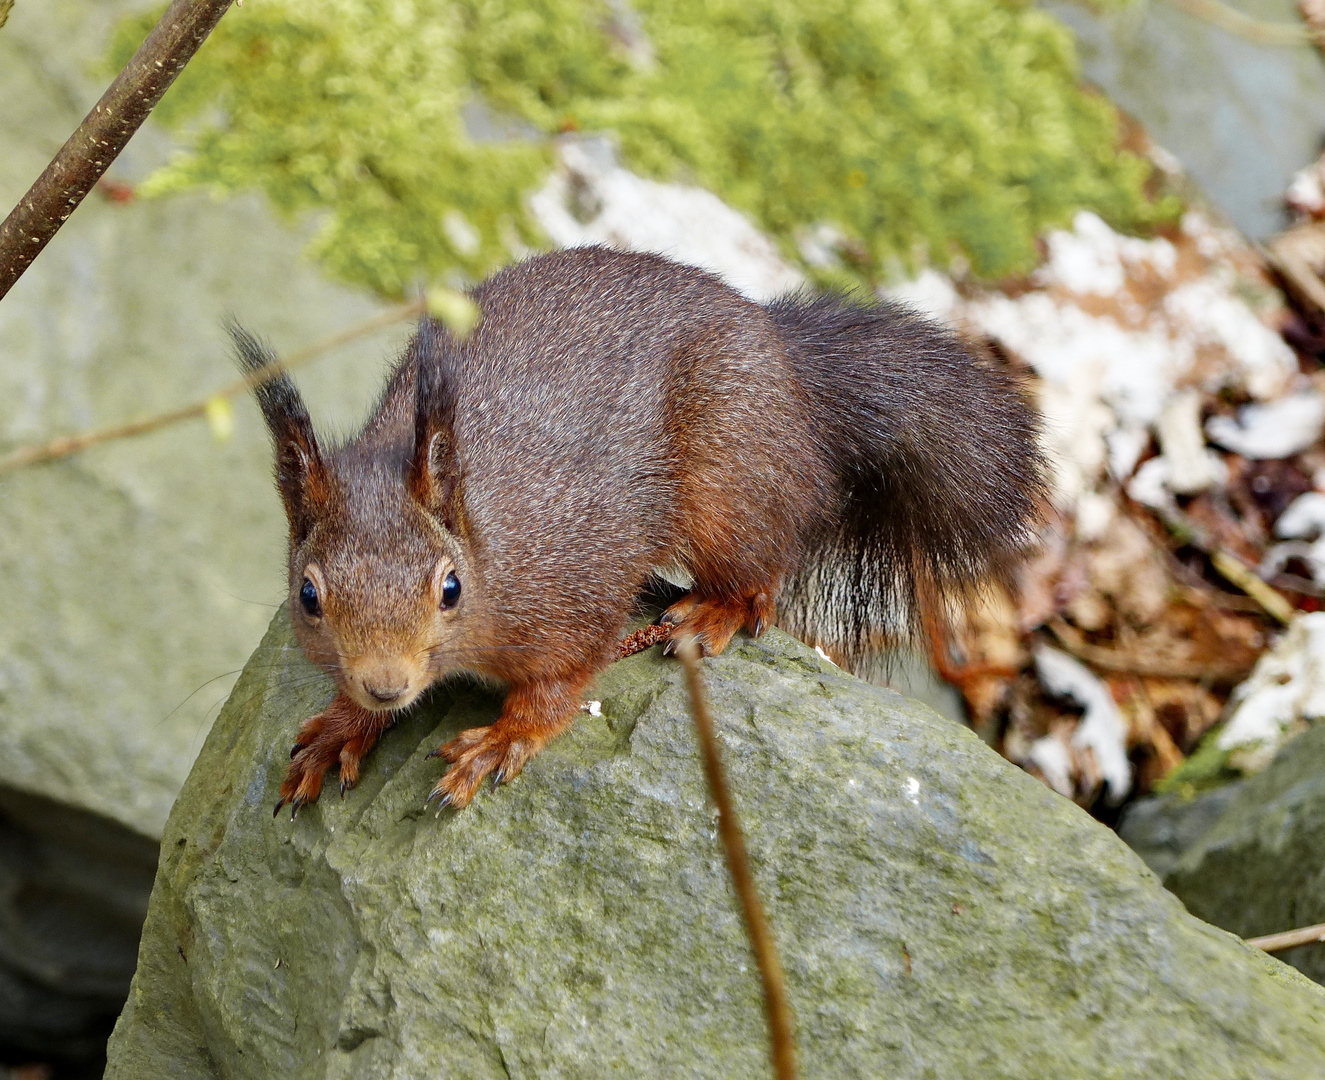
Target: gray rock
[[939, 912], [139, 575], [1241, 116], [1258, 869], [1162, 827], [73, 896]]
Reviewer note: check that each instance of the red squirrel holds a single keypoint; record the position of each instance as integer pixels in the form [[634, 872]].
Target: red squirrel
[[814, 461]]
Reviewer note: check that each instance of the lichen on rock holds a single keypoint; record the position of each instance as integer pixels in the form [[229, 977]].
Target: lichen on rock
[[939, 912]]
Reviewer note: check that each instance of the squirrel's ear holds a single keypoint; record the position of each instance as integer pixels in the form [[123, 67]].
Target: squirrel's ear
[[434, 470], [301, 474]]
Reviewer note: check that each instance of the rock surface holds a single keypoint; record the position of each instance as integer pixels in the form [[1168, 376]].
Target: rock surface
[[1161, 828], [939, 912], [139, 575], [1243, 116], [1258, 868], [73, 895]]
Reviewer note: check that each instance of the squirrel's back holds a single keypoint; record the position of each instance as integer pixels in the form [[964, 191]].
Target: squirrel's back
[[616, 412]]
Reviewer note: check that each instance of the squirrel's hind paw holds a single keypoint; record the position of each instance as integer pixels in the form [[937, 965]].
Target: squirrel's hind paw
[[712, 620]]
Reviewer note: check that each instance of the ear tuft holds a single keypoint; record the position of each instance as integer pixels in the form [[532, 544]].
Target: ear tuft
[[434, 471], [301, 474]]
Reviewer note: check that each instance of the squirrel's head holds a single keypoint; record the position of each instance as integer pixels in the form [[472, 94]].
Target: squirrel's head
[[381, 580]]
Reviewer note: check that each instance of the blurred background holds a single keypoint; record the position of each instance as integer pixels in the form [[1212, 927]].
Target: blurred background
[[1121, 202]]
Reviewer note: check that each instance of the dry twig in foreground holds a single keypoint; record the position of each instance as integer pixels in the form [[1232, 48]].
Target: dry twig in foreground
[[778, 1008], [38, 453], [1289, 939], [103, 133]]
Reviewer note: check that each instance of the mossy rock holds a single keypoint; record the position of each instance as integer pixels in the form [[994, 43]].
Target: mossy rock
[[939, 913], [1257, 868]]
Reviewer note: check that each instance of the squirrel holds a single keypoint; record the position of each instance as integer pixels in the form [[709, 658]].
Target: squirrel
[[822, 462]]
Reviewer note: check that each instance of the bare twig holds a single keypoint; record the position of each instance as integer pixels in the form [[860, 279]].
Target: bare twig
[[1229, 566], [776, 1005], [1289, 939], [1153, 667], [1233, 21], [1244, 577], [72, 444], [103, 133], [1282, 254]]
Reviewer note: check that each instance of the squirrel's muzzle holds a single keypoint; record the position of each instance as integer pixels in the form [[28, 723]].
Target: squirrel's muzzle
[[378, 684]]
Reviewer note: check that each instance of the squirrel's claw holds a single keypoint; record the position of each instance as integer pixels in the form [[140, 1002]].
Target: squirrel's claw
[[673, 643], [442, 796], [295, 804]]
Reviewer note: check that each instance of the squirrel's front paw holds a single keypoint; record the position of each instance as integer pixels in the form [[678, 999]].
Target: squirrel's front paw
[[476, 753], [534, 714], [343, 734]]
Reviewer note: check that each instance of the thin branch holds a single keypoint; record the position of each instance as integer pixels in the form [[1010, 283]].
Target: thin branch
[[103, 133], [1229, 566], [778, 1008], [1153, 667], [1244, 577], [1233, 21], [39, 453], [1289, 939]]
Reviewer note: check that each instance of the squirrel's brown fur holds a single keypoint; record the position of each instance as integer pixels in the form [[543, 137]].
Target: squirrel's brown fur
[[613, 414]]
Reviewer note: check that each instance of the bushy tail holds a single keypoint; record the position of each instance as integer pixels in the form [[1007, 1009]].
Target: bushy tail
[[939, 471]]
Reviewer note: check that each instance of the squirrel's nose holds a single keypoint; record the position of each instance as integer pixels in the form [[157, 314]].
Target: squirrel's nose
[[385, 694]]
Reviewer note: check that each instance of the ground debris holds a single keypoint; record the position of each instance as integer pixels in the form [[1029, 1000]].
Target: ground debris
[[1185, 544]]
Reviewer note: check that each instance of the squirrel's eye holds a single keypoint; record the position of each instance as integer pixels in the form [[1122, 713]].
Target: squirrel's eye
[[450, 590], [308, 597]]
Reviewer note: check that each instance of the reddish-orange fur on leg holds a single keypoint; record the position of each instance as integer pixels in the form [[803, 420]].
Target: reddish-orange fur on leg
[[712, 620], [343, 732], [534, 714]]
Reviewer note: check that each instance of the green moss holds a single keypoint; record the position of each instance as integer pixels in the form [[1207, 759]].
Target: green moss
[[922, 130], [1207, 767]]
